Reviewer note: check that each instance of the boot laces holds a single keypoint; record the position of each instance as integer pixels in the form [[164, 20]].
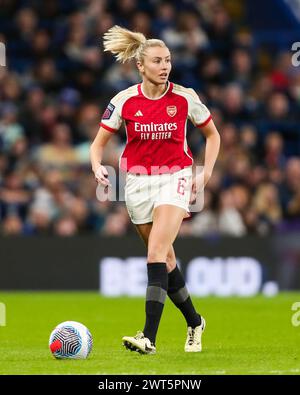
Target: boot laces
[[139, 335], [191, 333]]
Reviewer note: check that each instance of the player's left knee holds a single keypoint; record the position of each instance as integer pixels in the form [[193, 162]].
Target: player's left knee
[[170, 266]]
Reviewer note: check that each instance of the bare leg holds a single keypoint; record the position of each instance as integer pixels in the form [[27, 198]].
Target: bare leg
[[166, 223], [144, 232]]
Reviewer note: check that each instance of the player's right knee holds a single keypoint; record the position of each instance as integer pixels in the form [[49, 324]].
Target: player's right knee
[[157, 254], [161, 256]]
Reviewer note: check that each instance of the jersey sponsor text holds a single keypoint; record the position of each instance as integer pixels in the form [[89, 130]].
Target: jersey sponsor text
[[154, 127]]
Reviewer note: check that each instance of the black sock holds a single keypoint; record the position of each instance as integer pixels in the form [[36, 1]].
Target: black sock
[[155, 297], [179, 295]]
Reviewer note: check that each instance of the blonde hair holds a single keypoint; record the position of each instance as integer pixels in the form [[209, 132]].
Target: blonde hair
[[266, 201], [126, 44]]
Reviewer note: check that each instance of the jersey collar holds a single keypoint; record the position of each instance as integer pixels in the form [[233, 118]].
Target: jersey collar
[[140, 90]]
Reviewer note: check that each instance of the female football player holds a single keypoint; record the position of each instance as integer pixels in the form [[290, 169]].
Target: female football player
[[159, 178]]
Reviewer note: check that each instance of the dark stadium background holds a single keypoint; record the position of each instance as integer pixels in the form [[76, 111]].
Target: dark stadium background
[[53, 90]]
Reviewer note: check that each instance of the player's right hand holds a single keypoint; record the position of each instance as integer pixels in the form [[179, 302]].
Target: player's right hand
[[101, 176]]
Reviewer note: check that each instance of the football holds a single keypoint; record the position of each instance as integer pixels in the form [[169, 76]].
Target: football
[[70, 340]]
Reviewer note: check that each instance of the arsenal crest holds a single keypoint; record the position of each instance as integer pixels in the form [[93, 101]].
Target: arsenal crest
[[171, 110]]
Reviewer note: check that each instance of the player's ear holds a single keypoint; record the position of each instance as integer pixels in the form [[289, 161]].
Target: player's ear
[[140, 66]]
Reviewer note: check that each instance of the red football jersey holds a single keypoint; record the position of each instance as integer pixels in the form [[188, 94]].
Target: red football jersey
[[156, 128]]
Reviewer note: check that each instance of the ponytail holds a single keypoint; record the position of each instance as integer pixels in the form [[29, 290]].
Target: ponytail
[[126, 44]]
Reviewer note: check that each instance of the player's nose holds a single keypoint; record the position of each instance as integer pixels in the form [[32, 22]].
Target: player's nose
[[164, 65]]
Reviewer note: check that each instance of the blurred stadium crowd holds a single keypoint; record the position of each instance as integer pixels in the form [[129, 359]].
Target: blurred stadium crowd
[[58, 82]]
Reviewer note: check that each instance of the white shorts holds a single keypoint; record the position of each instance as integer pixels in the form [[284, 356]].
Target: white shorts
[[145, 192]]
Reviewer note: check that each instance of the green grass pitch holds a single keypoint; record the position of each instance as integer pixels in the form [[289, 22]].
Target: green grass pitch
[[243, 335]]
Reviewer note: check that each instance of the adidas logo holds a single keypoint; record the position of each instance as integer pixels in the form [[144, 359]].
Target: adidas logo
[[138, 114]]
